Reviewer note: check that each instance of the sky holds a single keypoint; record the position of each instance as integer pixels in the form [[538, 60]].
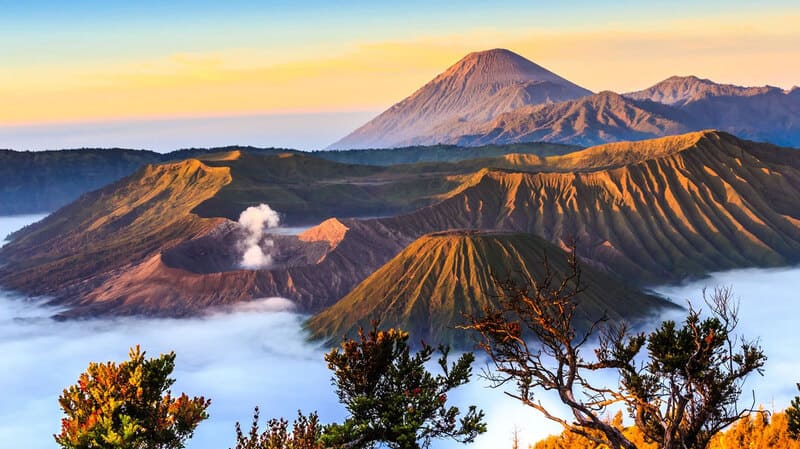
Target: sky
[[115, 73]]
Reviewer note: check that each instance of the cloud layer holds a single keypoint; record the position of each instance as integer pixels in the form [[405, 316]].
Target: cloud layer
[[256, 354]]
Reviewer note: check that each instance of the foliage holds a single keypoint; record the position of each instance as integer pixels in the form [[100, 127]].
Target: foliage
[[570, 440], [306, 433], [683, 392], [793, 417], [128, 406], [758, 431], [392, 398]]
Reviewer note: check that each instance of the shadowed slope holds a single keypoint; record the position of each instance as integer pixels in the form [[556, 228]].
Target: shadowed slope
[[42, 181], [592, 120], [763, 113], [311, 271], [431, 284]]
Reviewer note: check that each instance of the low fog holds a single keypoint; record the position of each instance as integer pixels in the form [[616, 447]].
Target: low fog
[[14, 223], [242, 357], [769, 301], [256, 354]]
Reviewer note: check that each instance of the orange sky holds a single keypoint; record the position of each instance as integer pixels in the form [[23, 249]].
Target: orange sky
[[372, 75]]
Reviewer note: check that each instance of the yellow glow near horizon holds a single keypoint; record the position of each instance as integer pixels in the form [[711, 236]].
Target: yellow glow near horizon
[[748, 51]]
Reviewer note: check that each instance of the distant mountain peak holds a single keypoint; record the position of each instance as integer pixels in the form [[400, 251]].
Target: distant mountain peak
[[477, 88], [682, 90], [499, 66], [492, 51], [605, 94], [687, 78], [497, 96]]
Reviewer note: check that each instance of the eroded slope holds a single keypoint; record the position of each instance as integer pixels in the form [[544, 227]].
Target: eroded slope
[[433, 283]]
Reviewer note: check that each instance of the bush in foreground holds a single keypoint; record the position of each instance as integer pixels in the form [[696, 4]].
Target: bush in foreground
[[390, 396], [128, 406]]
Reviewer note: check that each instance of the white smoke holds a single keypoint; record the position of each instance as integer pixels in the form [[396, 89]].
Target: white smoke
[[254, 220]]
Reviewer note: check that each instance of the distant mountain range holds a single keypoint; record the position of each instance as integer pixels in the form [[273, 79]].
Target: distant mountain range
[[43, 181], [498, 97]]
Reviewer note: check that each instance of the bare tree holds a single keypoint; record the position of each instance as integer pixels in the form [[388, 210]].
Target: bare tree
[[679, 383], [515, 438]]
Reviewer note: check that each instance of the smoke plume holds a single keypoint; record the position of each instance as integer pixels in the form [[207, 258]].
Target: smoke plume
[[254, 220]]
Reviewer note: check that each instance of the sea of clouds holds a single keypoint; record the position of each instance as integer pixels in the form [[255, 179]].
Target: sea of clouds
[[257, 354], [241, 357]]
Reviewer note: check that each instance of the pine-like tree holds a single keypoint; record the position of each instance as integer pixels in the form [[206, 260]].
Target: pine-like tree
[[793, 416], [391, 396], [306, 433]]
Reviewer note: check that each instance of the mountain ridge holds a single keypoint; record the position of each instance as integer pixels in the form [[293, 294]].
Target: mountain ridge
[[654, 212], [672, 106], [682, 90], [591, 120], [718, 204]]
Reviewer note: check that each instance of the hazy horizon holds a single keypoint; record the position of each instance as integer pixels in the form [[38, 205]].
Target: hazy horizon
[[168, 134]]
